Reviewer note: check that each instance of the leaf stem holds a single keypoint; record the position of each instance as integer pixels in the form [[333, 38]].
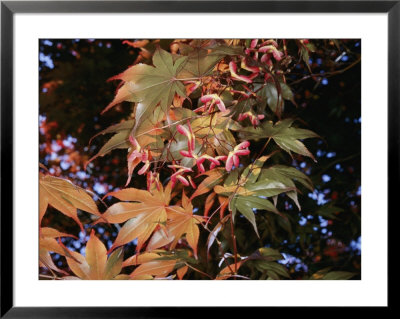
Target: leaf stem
[[328, 73], [198, 270], [49, 277], [234, 243]]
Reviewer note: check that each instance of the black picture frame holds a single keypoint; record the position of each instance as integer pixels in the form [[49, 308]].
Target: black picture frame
[[9, 8]]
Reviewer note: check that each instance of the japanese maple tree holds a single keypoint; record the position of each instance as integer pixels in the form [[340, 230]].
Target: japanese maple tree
[[210, 138]]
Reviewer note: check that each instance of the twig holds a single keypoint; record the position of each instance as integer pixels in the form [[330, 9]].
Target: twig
[[326, 74], [199, 271]]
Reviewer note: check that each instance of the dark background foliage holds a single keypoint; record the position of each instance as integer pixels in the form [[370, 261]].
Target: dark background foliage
[[325, 233]]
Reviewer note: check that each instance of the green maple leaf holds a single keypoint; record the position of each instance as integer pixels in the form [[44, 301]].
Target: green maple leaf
[[287, 175], [250, 191], [119, 140], [274, 97], [151, 86], [284, 134]]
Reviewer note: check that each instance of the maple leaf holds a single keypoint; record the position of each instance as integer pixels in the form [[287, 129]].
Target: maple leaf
[[274, 95], [157, 263], [214, 177], [141, 258], [157, 268], [210, 125], [284, 134], [119, 140], [147, 137], [47, 244], [180, 221], [229, 271], [95, 265], [145, 211], [249, 192], [265, 260], [65, 197], [272, 269], [181, 272], [216, 129], [151, 86], [209, 203], [287, 175], [204, 56]]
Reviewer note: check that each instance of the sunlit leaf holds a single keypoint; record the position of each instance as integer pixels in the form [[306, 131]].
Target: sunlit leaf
[[48, 243], [95, 265], [151, 86], [181, 221], [65, 197], [153, 264], [181, 272], [141, 215], [157, 268], [214, 177]]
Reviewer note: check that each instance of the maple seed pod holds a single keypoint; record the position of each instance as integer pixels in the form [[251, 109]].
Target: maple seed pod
[[268, 42], [242, 116], [134, 155], [235, 160], [267, 60], [182, 169], [213, 160], [229, 162], [144, 168], [134, 142], [182, 180], [207, 98], [242, 145], [191, 138], [176, 174], [244, 65], [189, 134], [242, 152], [192, 182], [201, 168], [253, 43], [216, 161], [215, 100], [145, 156], [200, 160], [233, 70], [186, 153], [255, 121], [183, 130]]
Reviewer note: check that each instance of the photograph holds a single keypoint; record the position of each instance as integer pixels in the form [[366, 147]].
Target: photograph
[[199, 159]]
